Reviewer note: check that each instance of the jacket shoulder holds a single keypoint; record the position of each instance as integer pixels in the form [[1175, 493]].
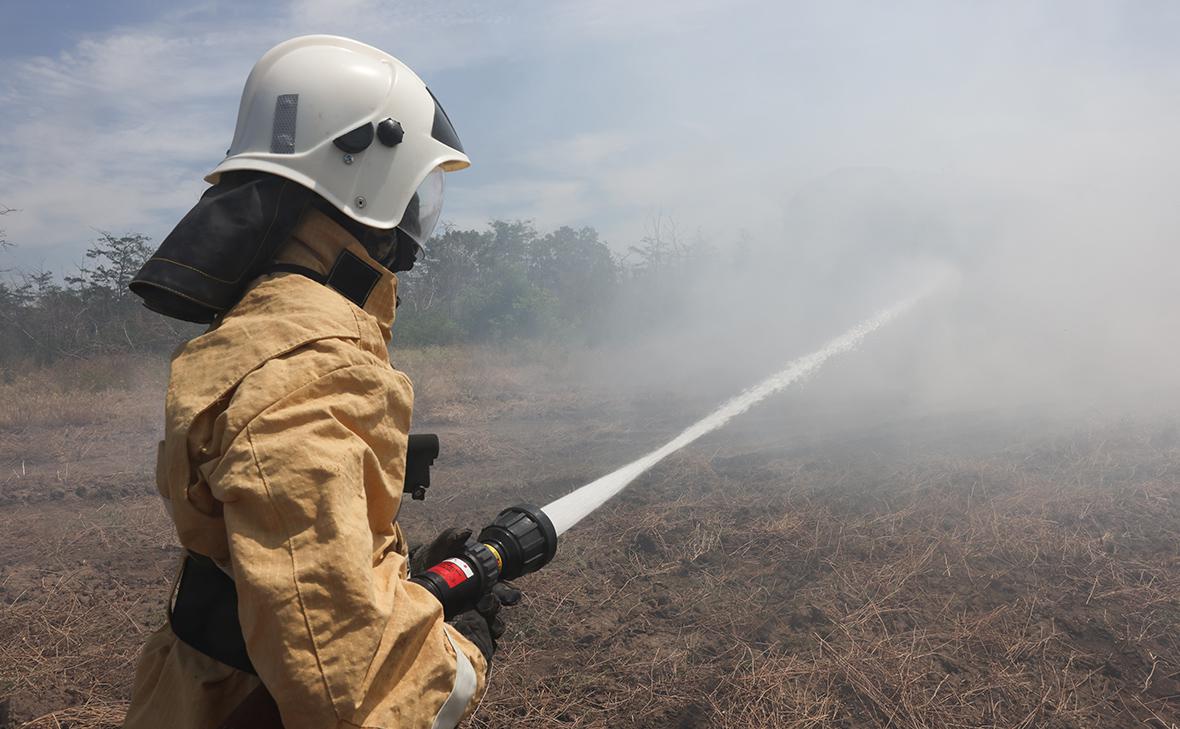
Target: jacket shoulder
[[277, 317]]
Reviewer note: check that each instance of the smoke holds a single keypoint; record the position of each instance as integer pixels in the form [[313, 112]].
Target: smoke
[[828, 153], [575, 506], [1028, 146], [1066, 304]]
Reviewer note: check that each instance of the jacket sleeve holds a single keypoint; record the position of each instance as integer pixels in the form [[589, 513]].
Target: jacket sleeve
[[310, 487]]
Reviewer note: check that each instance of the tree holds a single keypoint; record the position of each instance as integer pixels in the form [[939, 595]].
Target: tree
[[578, 270], [506, 282], [117, 260], [4, 243], [660, 249], [41, 320]]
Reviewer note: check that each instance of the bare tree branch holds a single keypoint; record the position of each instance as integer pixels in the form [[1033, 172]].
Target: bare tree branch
[[4, 242]]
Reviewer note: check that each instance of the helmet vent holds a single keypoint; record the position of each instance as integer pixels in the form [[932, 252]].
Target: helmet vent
[[442, 129], [358, 140], [282, 134]]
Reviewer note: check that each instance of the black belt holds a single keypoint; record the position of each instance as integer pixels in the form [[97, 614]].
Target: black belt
[[204, 613]]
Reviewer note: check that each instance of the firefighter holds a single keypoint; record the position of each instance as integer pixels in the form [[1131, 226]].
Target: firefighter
[[285, 424]]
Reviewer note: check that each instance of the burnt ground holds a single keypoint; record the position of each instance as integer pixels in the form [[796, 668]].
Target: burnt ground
[[792, 570]]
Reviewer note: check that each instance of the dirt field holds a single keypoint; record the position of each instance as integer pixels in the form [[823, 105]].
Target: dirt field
[[959, 571]]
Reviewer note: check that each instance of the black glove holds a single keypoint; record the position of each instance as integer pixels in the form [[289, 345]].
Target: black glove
[[483, 625], [475, 629], [448, 544]]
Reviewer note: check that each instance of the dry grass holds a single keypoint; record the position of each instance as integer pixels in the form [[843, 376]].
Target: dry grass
[[98, 715], [79, 427], [470, 385], [991, 581], [77, 393], [78, 600], [940, 594]]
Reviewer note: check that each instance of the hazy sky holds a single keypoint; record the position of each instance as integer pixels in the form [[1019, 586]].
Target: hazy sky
[[602, 112]]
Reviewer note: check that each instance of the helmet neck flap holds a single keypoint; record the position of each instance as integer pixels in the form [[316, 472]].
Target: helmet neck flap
[[231, 237], [204, 265]]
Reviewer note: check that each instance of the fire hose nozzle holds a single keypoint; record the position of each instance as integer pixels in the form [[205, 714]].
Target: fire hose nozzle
[[524, 538], [521, 540]]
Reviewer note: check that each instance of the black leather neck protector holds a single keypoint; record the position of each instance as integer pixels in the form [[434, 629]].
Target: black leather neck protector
[[204, 265]]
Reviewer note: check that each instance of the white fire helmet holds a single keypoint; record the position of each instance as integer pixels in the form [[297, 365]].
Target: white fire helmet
[[352, 123]]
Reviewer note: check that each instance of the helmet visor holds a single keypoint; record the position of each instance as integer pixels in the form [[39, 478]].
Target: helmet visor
[[425, 206]]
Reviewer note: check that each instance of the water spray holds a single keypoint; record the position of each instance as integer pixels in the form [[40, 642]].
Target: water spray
[[523, 538]]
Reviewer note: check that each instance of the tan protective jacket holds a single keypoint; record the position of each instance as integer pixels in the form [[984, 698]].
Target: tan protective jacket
[[283, 460]]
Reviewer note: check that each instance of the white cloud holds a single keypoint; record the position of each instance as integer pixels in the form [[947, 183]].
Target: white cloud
[[549, 203], [116, 132], [111, 133], [707, 110], [647, 20], [582, 152]]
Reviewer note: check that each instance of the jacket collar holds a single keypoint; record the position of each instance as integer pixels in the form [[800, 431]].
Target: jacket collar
[[317, 243]]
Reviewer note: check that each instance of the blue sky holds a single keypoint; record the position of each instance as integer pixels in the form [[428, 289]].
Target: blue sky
[[601, 112]]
